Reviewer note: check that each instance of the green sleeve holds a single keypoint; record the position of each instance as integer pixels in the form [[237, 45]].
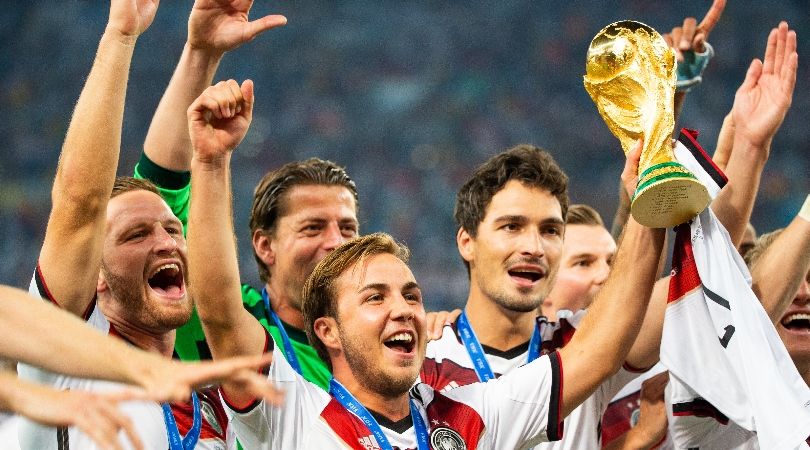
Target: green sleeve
[[315, 370], [175, 187]]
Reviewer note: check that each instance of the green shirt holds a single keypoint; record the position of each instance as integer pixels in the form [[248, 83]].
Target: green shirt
[[190, 345]]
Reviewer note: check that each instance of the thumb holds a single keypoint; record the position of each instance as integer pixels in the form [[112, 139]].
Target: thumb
[[259, 26], [248, 95], [752, 75], [630, 173]]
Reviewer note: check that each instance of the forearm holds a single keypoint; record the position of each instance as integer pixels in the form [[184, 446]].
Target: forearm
[[89, 156], [167, 141], [229, 328], [71, 251], [734, 204], [614, 318], [27, 326], [634, 439], [782, 268], [647, 346]]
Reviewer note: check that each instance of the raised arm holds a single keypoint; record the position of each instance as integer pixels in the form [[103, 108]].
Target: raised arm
[[214, 27], [761, 102], [26, 335], [607, 332], [783, 266], [71, 253], [760, 106], [97, 415], [218, 121]]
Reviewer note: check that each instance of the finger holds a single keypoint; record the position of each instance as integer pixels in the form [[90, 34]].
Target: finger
[[770, 52], [668, 39], [698, 43], [95, 425], [676, 38], [235, 97], [259, 26], [248, 95], [755, 70], [126, 395], [123, 422], [687, 33], [430, 324], [204, 104], [677, 32], [781, 46], [453, 316], [789, 74], [712, 16]]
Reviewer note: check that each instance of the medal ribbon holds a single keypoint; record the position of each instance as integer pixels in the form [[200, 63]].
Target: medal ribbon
[[289, 352], [345, 398], [190, 440], [476, 352]]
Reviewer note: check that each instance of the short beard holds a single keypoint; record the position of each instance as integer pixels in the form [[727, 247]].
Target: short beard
[[125, 292], [377, 381]]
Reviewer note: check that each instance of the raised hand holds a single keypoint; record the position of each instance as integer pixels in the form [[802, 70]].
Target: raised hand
[[132, 17], [437, 320], [223, 25], [219, 119], [692, 36], [174, 381], [762, 101], [95, 414], [629, 177]]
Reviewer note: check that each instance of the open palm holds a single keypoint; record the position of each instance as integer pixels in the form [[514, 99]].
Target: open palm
[[765, 96], [223, 25], [132, 17]]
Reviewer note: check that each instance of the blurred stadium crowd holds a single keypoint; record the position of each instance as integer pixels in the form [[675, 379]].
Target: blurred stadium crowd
[[409, 96]]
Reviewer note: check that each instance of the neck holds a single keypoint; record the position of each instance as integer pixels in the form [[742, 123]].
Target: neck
[[498, 327], [395, 407], [284, 307], [162, 343]]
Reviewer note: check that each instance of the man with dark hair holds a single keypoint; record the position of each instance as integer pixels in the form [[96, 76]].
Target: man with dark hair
[[512, 217], [364, 307]]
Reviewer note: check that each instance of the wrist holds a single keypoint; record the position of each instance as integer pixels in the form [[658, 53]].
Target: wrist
[[203, 54], [113, 33], [210, 163], [750, 146]]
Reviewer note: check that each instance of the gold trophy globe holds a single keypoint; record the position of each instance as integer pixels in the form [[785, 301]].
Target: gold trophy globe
[[630, 75]]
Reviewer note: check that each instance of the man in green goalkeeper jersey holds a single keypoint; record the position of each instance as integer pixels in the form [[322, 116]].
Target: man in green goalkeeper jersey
[[300, 211]]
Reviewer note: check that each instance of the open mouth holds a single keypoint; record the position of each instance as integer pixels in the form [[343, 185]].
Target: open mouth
[[798, 322], [401, 342], [168, 281], [526, 275]]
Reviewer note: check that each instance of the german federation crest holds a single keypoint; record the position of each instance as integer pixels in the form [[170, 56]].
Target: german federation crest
[[442, 438]]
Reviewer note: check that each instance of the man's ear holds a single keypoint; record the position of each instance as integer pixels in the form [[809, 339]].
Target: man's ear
[[101, 284], [262, 246], [326, 330], [466, 244]]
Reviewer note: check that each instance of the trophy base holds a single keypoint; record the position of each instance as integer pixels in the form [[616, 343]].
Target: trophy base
[[669, 197]]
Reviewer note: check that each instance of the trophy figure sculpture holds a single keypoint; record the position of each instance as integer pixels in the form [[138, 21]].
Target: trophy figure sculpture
[[630, 75]]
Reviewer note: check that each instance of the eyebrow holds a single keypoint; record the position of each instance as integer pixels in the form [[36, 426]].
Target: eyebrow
[[384, 287], [524, 219]]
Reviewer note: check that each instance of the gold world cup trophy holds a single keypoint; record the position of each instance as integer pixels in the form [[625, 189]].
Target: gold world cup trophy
[[630, 75]]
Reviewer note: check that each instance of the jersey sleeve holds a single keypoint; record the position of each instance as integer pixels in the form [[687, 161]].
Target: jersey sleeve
[[174, 187], [519, 409], [263, 426]]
